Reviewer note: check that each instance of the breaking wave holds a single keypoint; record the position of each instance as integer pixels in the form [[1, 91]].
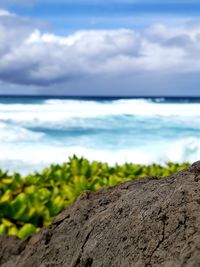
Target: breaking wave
[[34, 134]]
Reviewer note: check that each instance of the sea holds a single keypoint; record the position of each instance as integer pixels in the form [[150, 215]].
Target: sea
[[36, 132]]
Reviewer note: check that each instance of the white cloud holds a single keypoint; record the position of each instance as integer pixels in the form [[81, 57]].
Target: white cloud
[[31, 57], [4, 12]]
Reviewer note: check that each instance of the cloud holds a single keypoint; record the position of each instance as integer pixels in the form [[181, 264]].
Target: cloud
[[29, 56], [4, 13]]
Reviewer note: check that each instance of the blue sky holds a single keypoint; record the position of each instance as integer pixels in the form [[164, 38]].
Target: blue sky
[[66, 16], [86, 47]]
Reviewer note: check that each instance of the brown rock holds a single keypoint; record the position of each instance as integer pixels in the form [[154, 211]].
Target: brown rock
[[141, 223]]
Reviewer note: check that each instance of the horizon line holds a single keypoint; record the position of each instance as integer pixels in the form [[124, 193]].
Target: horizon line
[[93, 96]]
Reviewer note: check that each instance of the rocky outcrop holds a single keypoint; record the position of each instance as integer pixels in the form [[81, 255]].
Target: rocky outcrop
[[146, 222]]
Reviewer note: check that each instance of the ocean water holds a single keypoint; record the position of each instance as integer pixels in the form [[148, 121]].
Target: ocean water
[[36, 132]]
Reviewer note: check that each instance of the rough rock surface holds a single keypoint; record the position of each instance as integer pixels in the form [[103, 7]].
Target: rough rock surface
[[146, 222]]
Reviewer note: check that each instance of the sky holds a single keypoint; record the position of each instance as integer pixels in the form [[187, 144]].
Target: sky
[[100, 47]]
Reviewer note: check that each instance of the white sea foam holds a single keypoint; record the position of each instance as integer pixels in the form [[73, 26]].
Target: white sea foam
[[62, 113], [13, 133], [27, 158], [133, 130], [60, 109]]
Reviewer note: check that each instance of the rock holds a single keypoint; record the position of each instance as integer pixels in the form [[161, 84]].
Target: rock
[[141, 223]]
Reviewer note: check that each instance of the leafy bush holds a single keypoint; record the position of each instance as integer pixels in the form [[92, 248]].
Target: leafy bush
[[27, 204]]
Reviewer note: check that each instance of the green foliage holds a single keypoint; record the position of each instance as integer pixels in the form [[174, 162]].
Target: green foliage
[[27, 204]]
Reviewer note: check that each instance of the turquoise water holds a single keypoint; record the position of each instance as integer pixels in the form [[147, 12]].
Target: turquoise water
[[35, 132]]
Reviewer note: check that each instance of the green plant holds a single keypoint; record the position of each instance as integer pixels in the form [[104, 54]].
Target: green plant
[[27, 204]]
